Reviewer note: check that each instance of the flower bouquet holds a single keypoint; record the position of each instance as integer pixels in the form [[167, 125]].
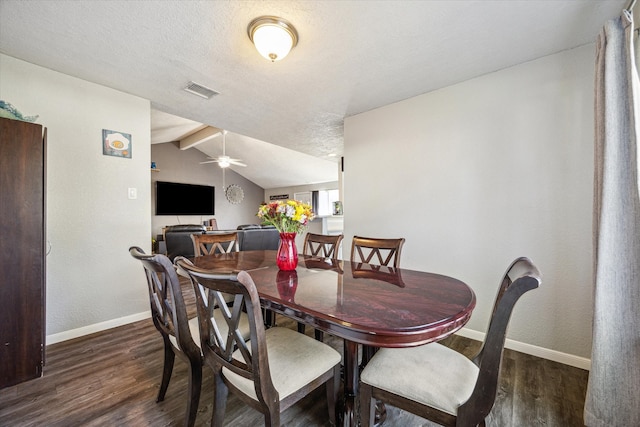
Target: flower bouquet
[[288, 217]]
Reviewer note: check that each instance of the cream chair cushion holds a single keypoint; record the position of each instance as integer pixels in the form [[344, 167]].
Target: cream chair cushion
[[294, 361], [431, 374]]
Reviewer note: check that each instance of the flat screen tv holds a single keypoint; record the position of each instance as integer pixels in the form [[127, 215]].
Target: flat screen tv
[[173, 198]]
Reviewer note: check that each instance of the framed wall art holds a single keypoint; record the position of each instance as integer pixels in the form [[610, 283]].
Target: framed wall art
[[116, 144]]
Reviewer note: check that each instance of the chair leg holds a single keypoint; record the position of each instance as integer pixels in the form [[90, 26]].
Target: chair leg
[[195, 385], [220, 393], [333, 385], [367, 405], [272, 419], [319, 335], [269, 318], [301, 327], [169, 357], [367, 353]]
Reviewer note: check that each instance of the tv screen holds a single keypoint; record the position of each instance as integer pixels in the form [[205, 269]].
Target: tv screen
[[173, 198]]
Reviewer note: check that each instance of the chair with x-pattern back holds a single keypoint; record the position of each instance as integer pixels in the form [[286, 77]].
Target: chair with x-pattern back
[[376, 251], [322, 246], [209, 244], [169, 315], [273, 369]]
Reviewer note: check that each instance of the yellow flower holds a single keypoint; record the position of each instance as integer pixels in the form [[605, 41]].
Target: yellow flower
[[289, 216]]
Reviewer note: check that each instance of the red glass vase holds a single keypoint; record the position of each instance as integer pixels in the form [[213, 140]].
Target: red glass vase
[[287, 282], [287, 258]]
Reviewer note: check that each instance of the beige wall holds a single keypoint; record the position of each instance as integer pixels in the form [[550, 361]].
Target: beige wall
[[477, 174], [92, 281]]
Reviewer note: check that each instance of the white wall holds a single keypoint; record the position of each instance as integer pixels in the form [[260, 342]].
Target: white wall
[[91, 278], [184, 166], [477, 174], [300, 189]]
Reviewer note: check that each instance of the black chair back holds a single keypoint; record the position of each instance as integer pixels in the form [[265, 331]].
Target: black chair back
[[178, 239]]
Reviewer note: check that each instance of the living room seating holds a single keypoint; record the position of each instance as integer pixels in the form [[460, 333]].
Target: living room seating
[[258, 237], [178, 239], [438, 383], [250, 237], [271, 371]]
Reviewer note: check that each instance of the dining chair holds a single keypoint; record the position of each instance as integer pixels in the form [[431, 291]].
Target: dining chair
[[209, 244], [377, 252], [438, 383], [169, 314], [181, 336], [322, 246], [271, 371], [386, 251]]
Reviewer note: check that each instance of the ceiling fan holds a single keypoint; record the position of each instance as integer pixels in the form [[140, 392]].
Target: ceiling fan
[[224, 161]]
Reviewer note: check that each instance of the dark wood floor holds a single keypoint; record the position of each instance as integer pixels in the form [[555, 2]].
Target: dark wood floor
[[111, 379]]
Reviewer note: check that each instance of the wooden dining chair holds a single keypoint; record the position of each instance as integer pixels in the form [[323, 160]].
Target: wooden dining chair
[[322, 246], [179, 334], [377, 251], [271, 371], [438, 383], [209, 244]]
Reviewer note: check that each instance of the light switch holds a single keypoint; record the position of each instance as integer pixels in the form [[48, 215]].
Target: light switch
[[133, 193]]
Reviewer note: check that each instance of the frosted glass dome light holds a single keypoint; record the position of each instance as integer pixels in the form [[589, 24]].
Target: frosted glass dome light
[[273, 37]]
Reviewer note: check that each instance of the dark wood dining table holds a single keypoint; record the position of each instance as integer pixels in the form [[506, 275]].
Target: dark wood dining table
[[363, 304]]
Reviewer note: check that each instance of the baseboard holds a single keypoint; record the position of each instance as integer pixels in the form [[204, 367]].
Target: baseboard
[[545, 353], [96, 327]]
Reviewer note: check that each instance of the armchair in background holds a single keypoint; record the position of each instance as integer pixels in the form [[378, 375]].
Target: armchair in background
[[178, 239]]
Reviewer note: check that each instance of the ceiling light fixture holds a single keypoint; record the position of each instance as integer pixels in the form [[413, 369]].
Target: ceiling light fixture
[[224, 161], [273, 37]]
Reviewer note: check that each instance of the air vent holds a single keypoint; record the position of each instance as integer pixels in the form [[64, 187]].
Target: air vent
[[200, 90]]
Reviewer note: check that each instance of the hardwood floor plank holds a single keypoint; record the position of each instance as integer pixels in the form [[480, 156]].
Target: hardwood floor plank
[[112, 378]]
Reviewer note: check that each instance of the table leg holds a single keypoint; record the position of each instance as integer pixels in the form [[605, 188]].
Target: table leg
[[351, 378], [348, 410]]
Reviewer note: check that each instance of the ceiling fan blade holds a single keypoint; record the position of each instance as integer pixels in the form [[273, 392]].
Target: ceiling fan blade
[[224, 160]]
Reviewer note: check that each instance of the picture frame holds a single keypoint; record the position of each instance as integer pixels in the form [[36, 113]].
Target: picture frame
[[116, 144]]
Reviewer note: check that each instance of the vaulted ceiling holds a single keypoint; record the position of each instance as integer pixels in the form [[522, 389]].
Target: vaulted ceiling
[[352, 56]]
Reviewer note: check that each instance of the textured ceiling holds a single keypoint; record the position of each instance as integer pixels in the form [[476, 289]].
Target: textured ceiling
[[352, 56]]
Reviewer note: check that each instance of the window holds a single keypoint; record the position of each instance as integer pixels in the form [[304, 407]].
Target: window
[[325, 201]]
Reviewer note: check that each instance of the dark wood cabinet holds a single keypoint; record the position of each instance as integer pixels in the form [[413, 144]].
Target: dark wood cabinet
[[22, 250]]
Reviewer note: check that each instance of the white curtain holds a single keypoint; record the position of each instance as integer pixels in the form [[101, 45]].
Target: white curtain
[[613, 393]]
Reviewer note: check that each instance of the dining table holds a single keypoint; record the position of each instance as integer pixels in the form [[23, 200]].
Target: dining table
[[371, 305]]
